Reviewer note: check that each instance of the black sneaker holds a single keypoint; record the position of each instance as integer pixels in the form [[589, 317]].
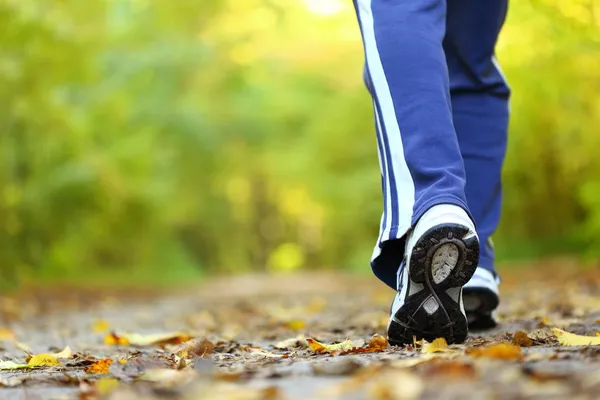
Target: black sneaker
[[442, 253]]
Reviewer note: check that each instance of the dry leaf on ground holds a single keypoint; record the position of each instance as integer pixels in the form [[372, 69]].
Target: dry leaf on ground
[[4, 365], [439, 345], [319, 347], [571, 339], [136, 339], [197, 347], [520, 338], [501, 351], [66, 353], [43, 360], [376, 343], [99, 367]]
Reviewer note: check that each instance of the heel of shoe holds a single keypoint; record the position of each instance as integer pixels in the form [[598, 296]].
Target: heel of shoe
[[448, 253]]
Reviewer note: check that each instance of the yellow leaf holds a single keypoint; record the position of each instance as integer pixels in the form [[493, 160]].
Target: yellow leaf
[[439, 345], [571, 339], [319, 347], [136, 339], [66, 353], [502, 351], [6, 334], [99, 367], [100, 326], [122, 362], [43, 360]]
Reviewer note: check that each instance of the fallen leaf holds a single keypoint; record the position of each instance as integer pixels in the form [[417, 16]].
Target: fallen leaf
[[520, 338], [501, 351], [66, 353], [439, 345], [42, 360], [571, 339], [542, 336], [156, 339], [4, 365], [318, 347], [100, 367], [378, 342], [100, 325], [197, 347], [6, 334]]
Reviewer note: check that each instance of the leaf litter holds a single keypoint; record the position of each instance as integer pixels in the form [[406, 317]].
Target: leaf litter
[[252, 346]]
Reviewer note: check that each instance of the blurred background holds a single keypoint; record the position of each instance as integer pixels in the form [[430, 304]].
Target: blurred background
[[161, 141]]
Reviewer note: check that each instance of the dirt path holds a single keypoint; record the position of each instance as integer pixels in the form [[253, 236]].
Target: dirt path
[[248, 341]]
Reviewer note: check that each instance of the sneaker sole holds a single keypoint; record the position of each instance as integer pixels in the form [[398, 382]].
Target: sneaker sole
[[432, 312]]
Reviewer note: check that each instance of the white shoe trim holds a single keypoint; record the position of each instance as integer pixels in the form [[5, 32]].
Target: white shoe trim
[[482, 278]]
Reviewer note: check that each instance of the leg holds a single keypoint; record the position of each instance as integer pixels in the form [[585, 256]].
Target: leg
[[425, 225], [419, 155], [480, 110]]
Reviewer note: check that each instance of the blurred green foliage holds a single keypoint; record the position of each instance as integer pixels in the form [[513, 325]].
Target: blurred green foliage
[[223, 135]]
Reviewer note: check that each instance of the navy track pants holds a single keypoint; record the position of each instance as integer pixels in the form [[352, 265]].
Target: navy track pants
[[441, 114]]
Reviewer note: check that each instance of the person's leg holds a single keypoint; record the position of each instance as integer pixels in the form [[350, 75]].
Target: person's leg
[[425, 220], [480, 98], [407, 76]]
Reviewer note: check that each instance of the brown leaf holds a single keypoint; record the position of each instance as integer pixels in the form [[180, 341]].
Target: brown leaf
[[99, 367], [501, 351], [378, 343], [198, 347], [542, 336], [520, 338]]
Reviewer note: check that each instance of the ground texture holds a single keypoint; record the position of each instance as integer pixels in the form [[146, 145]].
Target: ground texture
[[310, 336]]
